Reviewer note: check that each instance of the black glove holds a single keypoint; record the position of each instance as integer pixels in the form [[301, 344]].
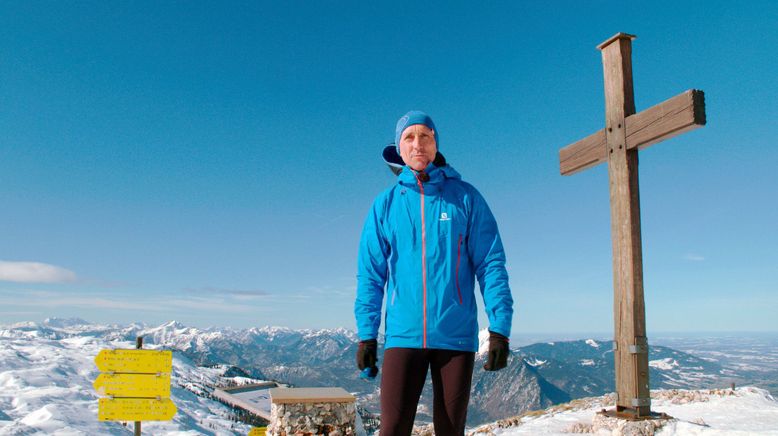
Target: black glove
[[498, 352], [367, 354]]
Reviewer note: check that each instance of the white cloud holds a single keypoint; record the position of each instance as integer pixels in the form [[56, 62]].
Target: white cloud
[[693, 257], [238, 294], [34, 272], [141, 303], [212, 306], [88, 302], [17, 313]]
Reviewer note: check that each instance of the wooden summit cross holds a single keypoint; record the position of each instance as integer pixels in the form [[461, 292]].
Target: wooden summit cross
[[618, 143]]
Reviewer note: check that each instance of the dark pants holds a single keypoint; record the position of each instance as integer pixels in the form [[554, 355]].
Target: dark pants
[[404, 374]]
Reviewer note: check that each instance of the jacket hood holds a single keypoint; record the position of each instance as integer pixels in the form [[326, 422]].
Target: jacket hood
[[438, 169]]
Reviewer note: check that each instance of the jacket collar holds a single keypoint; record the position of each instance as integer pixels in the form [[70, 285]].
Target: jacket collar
[[437, 171], [436, 174]]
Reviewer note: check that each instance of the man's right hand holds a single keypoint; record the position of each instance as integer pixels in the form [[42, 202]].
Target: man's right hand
[[367, 354], [497, 358]]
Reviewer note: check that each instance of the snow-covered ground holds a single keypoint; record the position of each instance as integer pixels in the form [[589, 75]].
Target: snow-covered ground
[[744, 411], [46, 389]]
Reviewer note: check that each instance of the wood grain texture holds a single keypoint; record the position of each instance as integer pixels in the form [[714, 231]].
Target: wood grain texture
[[583, 154], [679, 114], [684, 112], [628, 302], [310, 395]]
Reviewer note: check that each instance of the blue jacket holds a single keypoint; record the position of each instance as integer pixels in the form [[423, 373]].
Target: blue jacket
[[424, 243]]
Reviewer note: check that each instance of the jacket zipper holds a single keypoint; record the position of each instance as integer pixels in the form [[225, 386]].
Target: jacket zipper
[[459, 253], [423, 262]]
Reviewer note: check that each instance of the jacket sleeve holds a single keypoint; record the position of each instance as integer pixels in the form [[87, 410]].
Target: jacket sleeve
[[488, 257], [371, 274]]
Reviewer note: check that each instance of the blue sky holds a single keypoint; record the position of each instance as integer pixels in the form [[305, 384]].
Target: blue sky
[[213, 162]]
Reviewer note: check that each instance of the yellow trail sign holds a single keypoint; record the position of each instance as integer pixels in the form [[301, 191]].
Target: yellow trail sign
[[135, 409], [133, 385], [143, 361], [258, 431]]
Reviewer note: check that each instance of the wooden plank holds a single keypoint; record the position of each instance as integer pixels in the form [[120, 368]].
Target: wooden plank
[[135, 409], [684, 112], [679, 114], [583, 154], [133, 385], [135, 361], [612, 39], [310, 395], [628, 305]]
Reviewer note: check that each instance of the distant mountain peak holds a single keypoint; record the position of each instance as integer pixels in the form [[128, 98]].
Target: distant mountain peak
[[173, 324], [64, 322]]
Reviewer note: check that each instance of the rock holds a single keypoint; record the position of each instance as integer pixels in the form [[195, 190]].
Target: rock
[[622, 427]]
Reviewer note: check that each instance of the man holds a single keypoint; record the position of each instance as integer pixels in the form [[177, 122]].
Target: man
[[424, 240]]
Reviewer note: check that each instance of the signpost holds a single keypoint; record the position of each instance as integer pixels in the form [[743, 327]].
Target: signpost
[[137, 383], [136, 361], [258, 431], [136, 409], [133, 385]]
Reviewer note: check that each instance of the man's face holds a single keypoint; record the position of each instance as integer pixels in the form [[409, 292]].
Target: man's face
[[417, 146]]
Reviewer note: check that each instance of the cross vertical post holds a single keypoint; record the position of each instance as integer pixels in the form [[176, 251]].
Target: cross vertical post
[[630, 344], [618, 143]]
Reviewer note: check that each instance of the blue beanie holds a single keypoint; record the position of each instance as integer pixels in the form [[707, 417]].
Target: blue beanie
[[409, 119]]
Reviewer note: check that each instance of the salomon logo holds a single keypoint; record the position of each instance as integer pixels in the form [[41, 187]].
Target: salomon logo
[[444, 217]]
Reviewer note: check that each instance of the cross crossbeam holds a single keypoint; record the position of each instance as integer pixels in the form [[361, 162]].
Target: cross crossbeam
[[680, 114]]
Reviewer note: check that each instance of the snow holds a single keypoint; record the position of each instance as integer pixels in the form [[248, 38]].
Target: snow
[[46, 388], [483, 341], [535, 362], [259, 398], [744, 411], [667, 363], [592, 343], [240, 381]]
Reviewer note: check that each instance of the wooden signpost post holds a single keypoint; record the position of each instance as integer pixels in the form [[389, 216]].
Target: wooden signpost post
[[617, 144], [137, 383]]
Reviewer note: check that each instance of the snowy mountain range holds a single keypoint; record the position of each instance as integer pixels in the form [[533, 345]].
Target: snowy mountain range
[[46, 376], [47, 370]]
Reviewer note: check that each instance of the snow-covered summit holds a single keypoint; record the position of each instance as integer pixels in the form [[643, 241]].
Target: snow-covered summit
[[743, 411]]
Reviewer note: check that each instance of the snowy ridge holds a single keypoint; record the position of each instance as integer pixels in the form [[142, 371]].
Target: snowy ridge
[[535, 362]]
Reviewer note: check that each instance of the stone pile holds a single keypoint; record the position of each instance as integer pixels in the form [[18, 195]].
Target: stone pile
[[312, 411]]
